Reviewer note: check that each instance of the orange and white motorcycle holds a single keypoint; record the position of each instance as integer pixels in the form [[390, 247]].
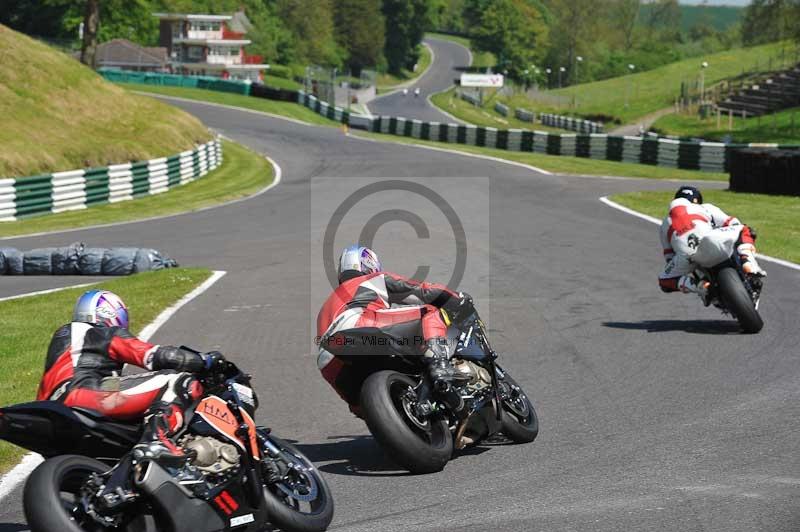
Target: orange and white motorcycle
[[237, 476]]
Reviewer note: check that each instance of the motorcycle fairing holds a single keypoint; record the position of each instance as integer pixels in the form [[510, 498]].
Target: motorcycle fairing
[[216, 413]]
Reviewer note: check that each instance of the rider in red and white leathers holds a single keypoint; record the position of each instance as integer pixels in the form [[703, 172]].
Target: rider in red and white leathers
[[371, 304], [84, 364], [696, 233]]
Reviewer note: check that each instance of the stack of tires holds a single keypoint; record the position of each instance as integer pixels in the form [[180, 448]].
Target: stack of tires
[[765, 171]]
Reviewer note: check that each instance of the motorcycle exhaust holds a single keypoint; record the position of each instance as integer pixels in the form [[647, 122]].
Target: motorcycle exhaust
[[185, 512]]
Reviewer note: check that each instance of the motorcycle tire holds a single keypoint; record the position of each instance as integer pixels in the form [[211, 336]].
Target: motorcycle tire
[[43, 498], [293, 519], [736, 299], [418, 447], [520, 423]]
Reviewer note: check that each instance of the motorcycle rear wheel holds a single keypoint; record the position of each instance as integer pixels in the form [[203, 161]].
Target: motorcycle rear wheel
[[59, 480], [738, 301], [420, 446]]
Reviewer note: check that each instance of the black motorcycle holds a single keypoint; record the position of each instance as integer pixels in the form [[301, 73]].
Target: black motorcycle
[[734, 292], [237, 476], [419, 422]]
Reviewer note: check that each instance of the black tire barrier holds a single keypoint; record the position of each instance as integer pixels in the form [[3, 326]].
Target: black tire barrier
[[765, 171]]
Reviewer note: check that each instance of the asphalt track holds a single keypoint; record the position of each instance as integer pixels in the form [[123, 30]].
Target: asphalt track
[[449, 59], [655, 413]]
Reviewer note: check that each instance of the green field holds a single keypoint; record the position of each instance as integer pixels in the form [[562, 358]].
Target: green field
[[776, 218], [24, 340], [563, 164], [387, 82], [782, 127], [59, 115], [649, 91], [479, 59], [287, 109], [242, 173]]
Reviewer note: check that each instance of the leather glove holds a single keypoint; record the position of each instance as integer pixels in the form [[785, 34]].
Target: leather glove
[[212, 361], [465, 307]]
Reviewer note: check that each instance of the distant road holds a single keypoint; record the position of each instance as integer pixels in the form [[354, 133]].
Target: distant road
[[448, 58]]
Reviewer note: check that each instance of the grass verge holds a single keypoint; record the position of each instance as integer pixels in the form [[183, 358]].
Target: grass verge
[[563, 164], [24, 341], [777, 218], [242, 173], [282, 83], [287, 109], [387, 82], [782, 127]]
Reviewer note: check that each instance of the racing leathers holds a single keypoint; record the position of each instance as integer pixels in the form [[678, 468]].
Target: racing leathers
[[83, 367], [690, 234], [367, 311]]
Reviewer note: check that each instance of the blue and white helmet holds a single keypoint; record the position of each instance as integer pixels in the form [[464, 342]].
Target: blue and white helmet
[[101, 307], [358, 260]]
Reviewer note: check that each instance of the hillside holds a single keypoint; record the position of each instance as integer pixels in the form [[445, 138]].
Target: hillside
[[59, 115], [655, 89]]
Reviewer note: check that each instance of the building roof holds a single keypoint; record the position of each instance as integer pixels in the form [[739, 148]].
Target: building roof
[[240, 23], [126, 53], [186, 16]]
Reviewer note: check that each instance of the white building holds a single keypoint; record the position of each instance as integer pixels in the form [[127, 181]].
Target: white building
[[203, 45]]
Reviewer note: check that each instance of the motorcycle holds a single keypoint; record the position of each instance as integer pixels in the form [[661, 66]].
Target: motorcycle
[[734, 292], [237, 476], [419, 422]]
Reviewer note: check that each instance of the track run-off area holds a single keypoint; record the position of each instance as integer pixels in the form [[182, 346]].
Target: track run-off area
[[656, 414]]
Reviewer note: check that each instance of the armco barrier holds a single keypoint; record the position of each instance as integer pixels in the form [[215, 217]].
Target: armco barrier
[[588, 143], [64, 191], [705, 156]]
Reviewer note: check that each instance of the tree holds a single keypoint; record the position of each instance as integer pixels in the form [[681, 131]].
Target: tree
[[360, 32], [770, 20], [663, 14], [515, 32], [311, 23], [573, 33], [625, 17], [91, 23], [406, 22]]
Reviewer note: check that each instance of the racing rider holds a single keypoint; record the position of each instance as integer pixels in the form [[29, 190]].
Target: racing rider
[[83, 367], [690, 221], [371, 302]]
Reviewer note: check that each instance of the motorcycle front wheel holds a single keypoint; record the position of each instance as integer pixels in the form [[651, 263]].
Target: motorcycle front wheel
[[738, 301], [419, 445], [520, 423], [301, 500]]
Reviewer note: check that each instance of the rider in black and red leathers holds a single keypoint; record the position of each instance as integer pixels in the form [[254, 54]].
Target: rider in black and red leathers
[[371, 303], [85, 359]]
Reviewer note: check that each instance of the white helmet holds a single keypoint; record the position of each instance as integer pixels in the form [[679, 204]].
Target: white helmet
[[357, 260]]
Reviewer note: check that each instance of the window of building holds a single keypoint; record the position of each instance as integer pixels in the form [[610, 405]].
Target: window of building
[[195, 52]]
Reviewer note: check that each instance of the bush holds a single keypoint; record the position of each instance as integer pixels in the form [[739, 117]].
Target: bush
[[280, 71]]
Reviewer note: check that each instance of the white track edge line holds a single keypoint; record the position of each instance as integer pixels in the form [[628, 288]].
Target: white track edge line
[[768, 258], [48, 291], [408, 83], [275, 181], [20, 472]]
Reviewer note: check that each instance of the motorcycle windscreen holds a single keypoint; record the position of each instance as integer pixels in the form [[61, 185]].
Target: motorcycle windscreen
[[216, 413]]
